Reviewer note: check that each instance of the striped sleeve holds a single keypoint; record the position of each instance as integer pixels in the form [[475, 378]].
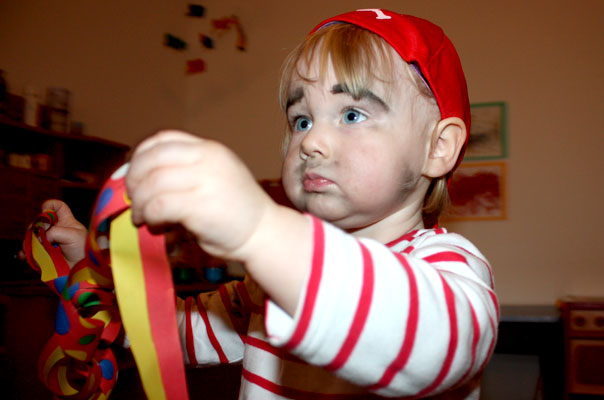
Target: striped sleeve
[[412, 322], [213, 324]]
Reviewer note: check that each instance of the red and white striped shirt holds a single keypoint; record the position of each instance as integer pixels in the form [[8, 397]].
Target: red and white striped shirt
[[416, 317]]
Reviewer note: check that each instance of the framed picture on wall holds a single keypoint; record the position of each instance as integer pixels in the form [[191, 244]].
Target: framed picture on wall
[[478, 191], [488, 132]]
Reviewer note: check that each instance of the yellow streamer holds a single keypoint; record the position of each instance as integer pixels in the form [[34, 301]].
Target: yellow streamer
[[44, 261], [130, 291], [64, 382], [54, 357]]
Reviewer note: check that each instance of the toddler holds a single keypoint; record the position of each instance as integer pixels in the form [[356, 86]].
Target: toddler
[[357, 293]]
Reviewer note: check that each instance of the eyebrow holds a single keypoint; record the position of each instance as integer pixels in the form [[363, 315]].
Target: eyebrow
[[363, 94], [298, 94], [294, 98]]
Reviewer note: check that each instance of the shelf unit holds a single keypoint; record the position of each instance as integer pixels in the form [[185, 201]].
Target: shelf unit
[[27, 306], [75, 167]]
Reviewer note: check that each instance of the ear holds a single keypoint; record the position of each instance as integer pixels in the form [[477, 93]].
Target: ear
[[448, 138]]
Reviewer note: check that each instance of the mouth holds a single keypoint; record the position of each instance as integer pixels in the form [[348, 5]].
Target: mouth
[[315, 183]]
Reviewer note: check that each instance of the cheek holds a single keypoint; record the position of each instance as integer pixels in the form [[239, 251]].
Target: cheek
[[367, 171], [374, 178], [289, 176], [289, 163], [381, 171], [369, 159]]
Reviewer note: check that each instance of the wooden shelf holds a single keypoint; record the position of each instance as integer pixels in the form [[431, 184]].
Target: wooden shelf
[[67, 158], [32, 130], [79, 185]]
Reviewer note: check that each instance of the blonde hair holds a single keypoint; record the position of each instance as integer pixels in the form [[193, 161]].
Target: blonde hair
[[353, 53]]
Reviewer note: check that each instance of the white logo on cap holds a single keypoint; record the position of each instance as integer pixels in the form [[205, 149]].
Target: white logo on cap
[[380, 14]]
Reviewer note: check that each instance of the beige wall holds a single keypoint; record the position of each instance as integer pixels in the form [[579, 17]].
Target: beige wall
[[544, 58]]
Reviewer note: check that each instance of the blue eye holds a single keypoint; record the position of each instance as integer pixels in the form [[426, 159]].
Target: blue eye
[[302, 124], [353, 117]]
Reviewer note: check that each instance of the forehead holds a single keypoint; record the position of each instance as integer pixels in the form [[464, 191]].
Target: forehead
[[362, 58], [386, 77], [358, 58], [348, 48]]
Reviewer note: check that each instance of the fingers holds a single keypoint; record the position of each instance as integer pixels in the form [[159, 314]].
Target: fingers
[[176, 178], [56, 205], [66, 236], [72, 241], [164, 137], [161, 188], [166, 148], [168, 162], [160, 156], [62, 210], [65, 217], [161, 209]]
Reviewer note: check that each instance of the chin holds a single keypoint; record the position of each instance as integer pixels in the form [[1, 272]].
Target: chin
[[335, 217]]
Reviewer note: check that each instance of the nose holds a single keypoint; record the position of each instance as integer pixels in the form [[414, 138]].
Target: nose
[[316, 143]]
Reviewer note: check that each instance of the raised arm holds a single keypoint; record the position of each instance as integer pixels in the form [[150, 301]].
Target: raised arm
[[416, 319]]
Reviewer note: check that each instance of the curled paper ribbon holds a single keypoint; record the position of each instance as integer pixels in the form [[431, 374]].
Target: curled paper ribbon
[[132, 262], [77, 362]]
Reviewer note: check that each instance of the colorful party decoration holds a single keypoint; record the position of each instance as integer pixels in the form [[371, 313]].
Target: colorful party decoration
[[226, 23], [218, 27], [77, 361], [206, 41], [195, 66], [125, 267], [174, 42], [196, 10]]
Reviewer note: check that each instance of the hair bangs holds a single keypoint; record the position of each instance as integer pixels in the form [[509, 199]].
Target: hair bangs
[[353, 52]]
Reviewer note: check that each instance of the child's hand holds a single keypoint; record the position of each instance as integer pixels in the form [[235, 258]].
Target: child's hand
[[68, 232], [178, 178]]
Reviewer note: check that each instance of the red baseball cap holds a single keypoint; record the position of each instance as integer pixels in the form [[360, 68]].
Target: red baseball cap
[[424, 45]]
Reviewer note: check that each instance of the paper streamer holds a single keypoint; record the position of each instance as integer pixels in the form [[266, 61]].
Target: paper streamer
[[77, 362], [132, 262]]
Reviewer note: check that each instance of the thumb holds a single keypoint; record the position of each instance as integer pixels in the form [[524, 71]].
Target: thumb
[[64, 215]]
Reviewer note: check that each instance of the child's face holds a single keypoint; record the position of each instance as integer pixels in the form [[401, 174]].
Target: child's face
[[356, 162]]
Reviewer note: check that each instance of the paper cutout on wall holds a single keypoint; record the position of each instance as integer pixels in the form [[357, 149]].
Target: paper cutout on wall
[[196, 10], [206, 41], [219, 27], [227, 23], [195, 66], [174, 42]]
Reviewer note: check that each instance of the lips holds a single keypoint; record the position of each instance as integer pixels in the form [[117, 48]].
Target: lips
[[314, 183]]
